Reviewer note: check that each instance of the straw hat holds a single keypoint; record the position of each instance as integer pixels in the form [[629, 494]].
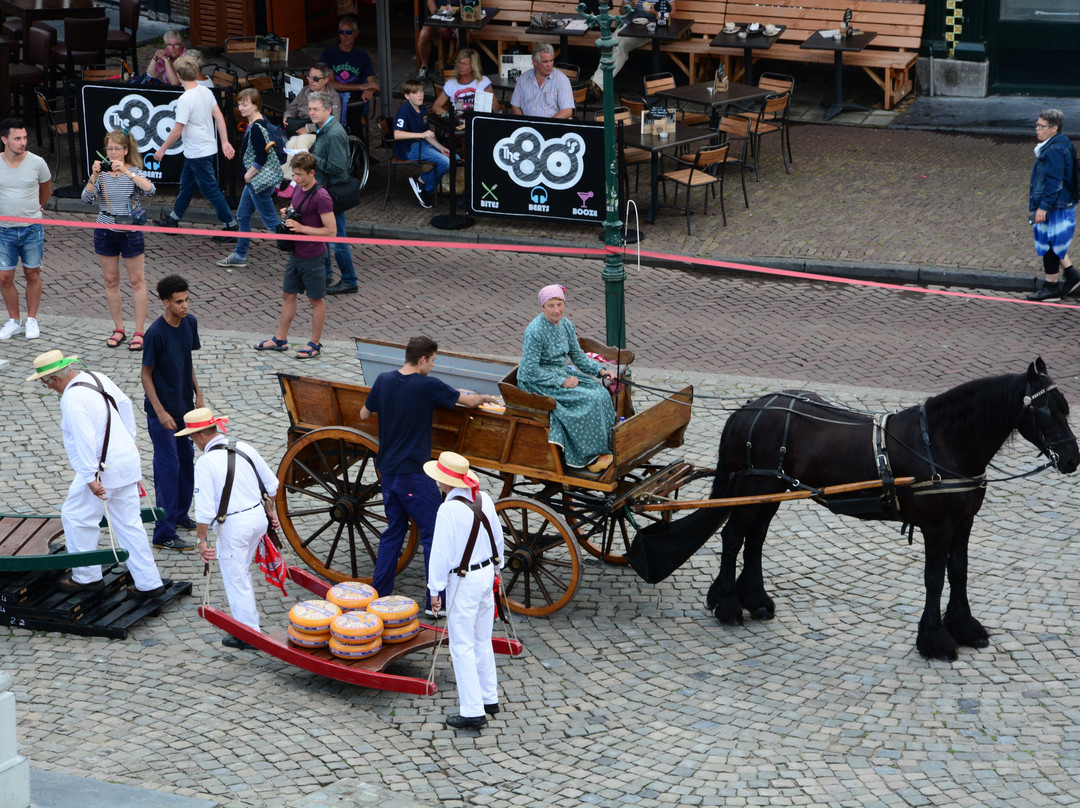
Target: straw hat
[[451, 469], [50, 362], [199, 419]]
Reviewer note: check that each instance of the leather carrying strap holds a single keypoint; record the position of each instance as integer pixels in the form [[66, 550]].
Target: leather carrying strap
[[226, 491], [479, 517], [109, 402]]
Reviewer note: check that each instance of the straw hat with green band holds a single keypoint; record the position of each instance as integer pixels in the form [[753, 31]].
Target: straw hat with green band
[[50, 362]]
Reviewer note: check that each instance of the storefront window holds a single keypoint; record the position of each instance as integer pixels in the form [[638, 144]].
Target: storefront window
[[1041, 10]]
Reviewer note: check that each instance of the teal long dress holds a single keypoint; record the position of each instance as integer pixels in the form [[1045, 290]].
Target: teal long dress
[[582, 420]]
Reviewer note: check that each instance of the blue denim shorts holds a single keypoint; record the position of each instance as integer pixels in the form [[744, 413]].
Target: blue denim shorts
[[305, 275], [127, 243], [26, 243]]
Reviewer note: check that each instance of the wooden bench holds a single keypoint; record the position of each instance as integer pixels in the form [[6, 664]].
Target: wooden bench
[[508, 29], [888, 60]]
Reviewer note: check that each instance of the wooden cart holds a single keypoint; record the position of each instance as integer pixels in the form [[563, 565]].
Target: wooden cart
[[330, 504]]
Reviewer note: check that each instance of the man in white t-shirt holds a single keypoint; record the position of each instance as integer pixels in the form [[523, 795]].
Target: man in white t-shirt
[[197, 116], [25, 187]]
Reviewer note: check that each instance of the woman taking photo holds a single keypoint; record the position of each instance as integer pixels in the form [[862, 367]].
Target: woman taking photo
[[118, 190], [553, 364], [262, 175], [1052, 207]]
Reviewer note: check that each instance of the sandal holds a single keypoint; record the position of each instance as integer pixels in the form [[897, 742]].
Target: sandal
[[279, 344], [114, 341], [136, 343], [310, 352]]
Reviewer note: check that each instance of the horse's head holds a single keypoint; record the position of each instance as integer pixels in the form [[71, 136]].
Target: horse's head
[[1045, 419]]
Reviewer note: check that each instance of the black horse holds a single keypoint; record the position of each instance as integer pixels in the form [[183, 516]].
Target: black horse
[[793, 440]]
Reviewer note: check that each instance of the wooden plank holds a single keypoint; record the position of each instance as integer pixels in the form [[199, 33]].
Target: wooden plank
[[759, 499], [640, 436], [30, 535], [61, 561]]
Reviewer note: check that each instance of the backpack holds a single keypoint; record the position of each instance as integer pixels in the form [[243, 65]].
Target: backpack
[[276, 139]]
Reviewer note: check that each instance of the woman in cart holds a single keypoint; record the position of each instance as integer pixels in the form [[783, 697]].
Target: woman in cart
[[553, 364]]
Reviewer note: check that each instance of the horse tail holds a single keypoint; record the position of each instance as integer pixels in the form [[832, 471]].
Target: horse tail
[[662, 547]]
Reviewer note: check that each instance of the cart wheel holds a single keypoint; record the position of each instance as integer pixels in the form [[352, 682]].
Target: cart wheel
[[542, 569], [330, 504], [607, 537]]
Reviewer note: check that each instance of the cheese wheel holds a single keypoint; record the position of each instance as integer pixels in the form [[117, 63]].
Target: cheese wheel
[[395, 610], [401, 633], [351, 595], [305, 640], [313, 616], [350, 651], [356, 628]]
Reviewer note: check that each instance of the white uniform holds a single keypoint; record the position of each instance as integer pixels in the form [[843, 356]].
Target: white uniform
[[245, 522], [83, 426], [470, 602]]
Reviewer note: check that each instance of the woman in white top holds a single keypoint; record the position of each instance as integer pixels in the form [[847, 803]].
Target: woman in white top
[[467, 81], [117, 191]]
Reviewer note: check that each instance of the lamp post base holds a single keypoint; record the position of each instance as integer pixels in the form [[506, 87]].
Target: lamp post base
[[452, 221], [631, 236]]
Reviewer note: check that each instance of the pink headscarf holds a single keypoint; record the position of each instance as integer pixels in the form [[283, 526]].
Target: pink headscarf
[[549, 292]]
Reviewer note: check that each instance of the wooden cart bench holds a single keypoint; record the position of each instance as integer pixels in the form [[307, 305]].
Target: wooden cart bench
[[888, 60]]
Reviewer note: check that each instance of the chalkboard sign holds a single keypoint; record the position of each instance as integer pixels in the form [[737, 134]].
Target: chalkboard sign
[[536, 167]]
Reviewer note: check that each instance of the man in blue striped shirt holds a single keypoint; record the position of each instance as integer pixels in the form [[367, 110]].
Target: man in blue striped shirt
[[543, 92]]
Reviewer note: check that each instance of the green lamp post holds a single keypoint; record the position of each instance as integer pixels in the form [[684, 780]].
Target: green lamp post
[[614, 273]]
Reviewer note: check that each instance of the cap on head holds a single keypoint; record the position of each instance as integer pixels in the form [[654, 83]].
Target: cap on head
[[50, 362], [199, 419]]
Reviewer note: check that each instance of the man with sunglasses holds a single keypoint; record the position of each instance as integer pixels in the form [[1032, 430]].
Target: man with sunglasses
[[297, 120], [160, 66], [353, 73]]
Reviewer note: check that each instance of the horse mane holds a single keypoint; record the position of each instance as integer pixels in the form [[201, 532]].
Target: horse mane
[[977, 409]]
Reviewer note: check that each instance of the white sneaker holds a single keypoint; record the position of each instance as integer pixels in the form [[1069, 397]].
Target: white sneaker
[[10, 329], [32, 330]]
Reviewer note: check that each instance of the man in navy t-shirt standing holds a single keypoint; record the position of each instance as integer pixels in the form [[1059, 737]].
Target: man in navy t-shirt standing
[[168, 379], [405, 401]]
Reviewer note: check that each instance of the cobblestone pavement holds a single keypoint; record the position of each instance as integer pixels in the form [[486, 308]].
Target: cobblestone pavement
[[632, 695]]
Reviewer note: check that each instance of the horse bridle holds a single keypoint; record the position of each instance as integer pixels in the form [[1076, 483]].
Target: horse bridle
[[1045, 446]]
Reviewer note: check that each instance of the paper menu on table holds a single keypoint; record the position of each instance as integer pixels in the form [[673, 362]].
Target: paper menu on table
[[482, 101], [830, 33], [577, 25]]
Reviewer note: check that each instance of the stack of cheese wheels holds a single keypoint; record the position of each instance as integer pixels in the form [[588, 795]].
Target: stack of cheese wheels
[[351, 595], [309, 623], [356, 635], [398, 614]]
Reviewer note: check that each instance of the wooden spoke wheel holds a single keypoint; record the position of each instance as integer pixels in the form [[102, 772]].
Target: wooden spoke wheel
[[606, 534], [330, 504], [542, 568]]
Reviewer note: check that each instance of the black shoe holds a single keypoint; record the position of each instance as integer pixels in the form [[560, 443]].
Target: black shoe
[[70, 585], [135, 592], [491, 709], [187, 523], [1071, 285], [232, 228], [1049, 291], [166, 221], [422, 196], [229, 641], [174, 544], [342, 288], [461, 722]]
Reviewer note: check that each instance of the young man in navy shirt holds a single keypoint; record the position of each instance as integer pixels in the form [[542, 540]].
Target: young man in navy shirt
[[414, 140], [405, 401]]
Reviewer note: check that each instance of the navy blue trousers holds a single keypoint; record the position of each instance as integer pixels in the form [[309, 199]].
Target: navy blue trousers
[[174, 476], [404, 496]]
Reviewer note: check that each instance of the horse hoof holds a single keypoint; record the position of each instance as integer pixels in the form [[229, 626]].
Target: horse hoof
[[728, 615], [763, 613], [938, 646]]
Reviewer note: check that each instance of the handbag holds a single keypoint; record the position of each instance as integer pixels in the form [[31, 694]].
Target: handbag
[[270, 175], [135, 214], [346, 195]]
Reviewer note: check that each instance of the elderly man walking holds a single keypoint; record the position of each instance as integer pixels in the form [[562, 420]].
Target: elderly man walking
[[98, 424], [331, 150], [229, 493]]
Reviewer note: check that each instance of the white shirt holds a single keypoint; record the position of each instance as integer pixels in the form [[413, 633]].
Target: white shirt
[[195, 110], [463, 96], [210, 473], [452, 527], [83, 427], [19, 188]]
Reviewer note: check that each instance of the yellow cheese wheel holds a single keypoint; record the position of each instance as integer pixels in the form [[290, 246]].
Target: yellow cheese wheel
[[305, 640], [395, 610], [351, 595], [350, 651], [401, 633], [313, 615], [356, 628]]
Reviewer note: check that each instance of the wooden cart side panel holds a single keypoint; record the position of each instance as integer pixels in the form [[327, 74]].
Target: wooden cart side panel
[[662, 425], [313, 403]]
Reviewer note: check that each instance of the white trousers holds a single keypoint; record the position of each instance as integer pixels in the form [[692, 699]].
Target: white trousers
[[81, 514], [621, 52], [469, 620], [237, 540]]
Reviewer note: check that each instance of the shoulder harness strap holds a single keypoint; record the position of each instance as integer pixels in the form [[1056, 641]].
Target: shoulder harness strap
[[479, 517], [109, 402]]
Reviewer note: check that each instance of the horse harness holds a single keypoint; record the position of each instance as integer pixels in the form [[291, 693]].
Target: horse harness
[[479, 518], [109, 402]]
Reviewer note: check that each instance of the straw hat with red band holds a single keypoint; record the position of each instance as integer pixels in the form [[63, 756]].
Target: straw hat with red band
[[50, 362], [200, 419], [452, 469]]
